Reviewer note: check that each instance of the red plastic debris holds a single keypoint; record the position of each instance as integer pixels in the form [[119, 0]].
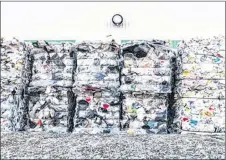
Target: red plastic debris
[[210, 108], [39, 122], [105, 106], [218, 55], [88, 99], [185, 118]]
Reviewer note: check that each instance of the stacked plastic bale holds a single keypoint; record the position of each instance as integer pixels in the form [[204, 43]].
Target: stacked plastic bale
[[96, 86], [11, 65], [200, 87], [52, 77], [146, 86]]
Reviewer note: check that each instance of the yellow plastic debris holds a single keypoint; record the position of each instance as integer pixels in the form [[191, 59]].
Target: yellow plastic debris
[[186, 72], [130, 131]]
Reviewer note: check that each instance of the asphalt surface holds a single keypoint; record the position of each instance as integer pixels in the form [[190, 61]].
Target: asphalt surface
[[107, 146]]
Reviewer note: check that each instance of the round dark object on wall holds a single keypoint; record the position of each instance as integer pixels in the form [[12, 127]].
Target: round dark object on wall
[[117, 19]]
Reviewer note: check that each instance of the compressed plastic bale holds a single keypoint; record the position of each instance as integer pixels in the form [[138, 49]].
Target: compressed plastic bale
[[147, 112], [97, 111], [17, 98], [201, 74], [51, 72], [146, 55], [148, 71], [97, 64], [206, 60], [205, 115], [50, 105], [160, 69], [96, 85], [142, 67], [52, 68]]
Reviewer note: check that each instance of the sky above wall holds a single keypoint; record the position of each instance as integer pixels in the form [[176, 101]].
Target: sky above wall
[[88, 20]]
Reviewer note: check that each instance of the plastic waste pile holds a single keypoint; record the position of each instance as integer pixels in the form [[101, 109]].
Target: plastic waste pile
[[11, 66], [96, 87], [101, 87], [146, 80], [200, 86]]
